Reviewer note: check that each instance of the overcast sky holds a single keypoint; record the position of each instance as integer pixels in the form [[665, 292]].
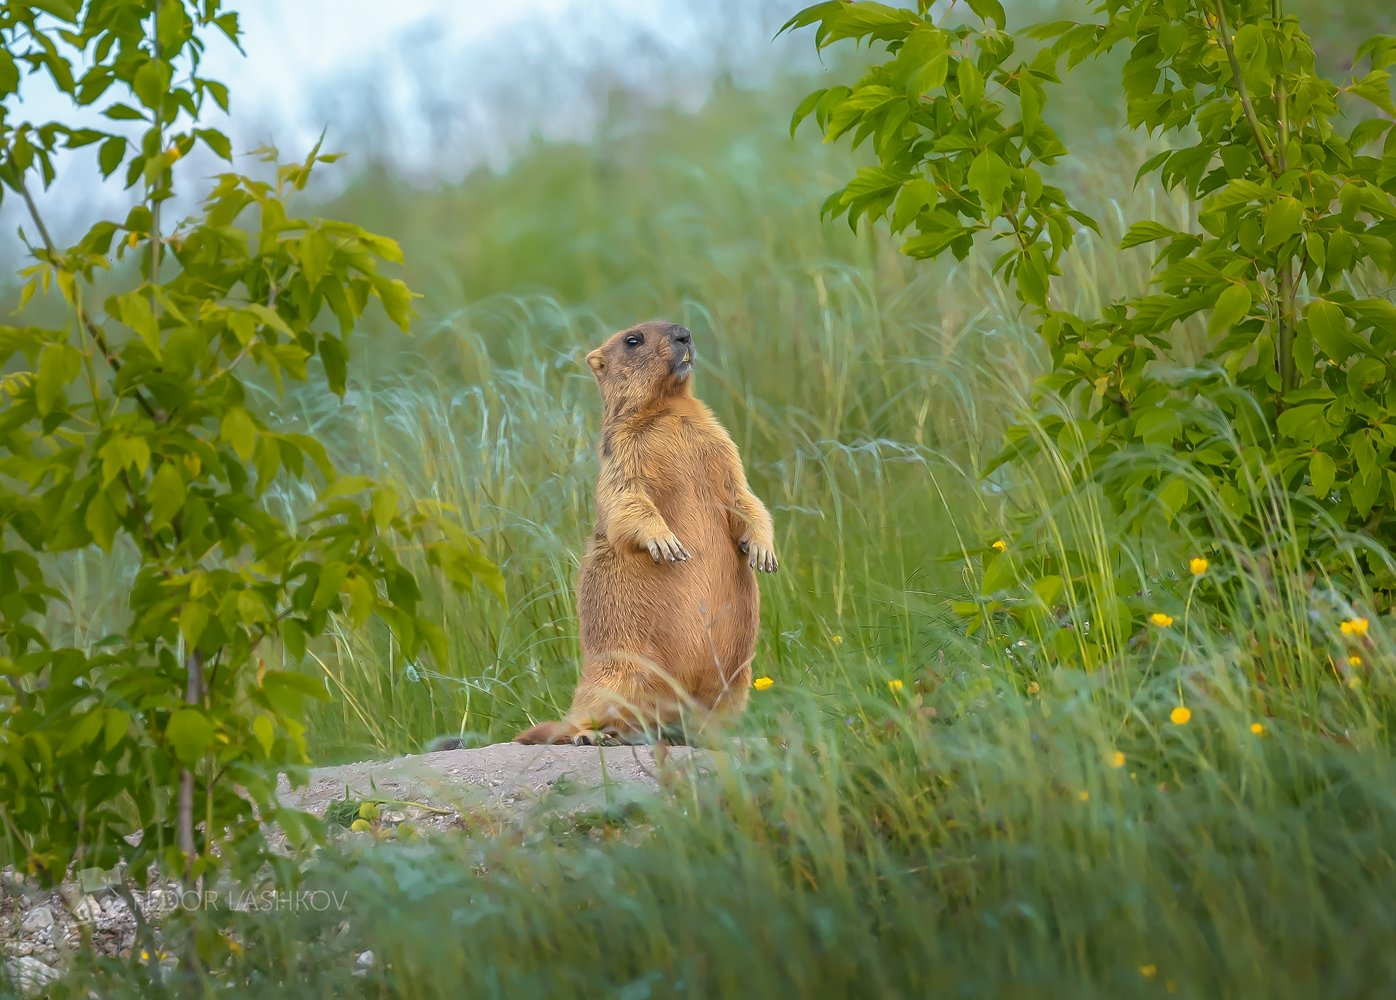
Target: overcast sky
[[437, 86]]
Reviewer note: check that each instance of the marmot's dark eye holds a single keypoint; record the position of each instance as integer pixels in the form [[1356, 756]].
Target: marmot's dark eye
[[634, 341]]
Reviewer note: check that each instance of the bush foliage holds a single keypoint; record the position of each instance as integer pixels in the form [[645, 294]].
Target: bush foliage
[[1247, 396], [141, 425]]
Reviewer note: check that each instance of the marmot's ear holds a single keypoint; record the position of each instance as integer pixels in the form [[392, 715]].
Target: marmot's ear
[[596, 361]]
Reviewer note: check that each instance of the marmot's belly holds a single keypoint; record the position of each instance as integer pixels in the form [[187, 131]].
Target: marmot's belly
[[692, 619]]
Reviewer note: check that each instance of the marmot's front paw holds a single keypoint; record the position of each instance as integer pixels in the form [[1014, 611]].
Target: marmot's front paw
[[668, 548], [760, 556]]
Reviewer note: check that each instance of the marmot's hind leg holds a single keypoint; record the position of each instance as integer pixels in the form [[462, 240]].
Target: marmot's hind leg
[[545, 733], [585, 734], [618, 701]]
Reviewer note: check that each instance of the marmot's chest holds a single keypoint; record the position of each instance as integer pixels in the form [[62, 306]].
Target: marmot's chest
[[677, 459]]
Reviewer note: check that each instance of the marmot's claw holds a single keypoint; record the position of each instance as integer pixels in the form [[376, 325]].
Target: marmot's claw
[[762, 559], [593, 738], [667, 548]]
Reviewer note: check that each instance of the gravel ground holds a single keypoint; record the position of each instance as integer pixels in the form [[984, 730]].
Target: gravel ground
[[480, 789]]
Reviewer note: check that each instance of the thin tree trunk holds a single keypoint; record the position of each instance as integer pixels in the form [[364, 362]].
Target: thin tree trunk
[[184, 818]]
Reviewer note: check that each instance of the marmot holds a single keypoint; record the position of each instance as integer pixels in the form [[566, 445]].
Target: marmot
[[667, 597]]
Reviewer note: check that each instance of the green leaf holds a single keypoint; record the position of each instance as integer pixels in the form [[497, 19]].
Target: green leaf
[[1376, 88], [293, 636], [315, 251], [336, 361], [1146, 232], [1366, 486], [1328, 326], [100, 520], [915, 196], [1172, 497], [1322, 471], [1282, 221], [923, 62], [268, 462], [83, 733], [151, 81], [802, 111], [990, 10], [189, 733], [397, 300], [217, 142], [1159, 426], [123, 113], [384, 506], [116, 725], [1048, 589], [135, 312], [111, 154], [59, 364], [264, 729], [193, 619], [1032, 275], [1249, 46], [239, 431], [1294, 422], [9, 74], [1232, 306], [971, 82], [361, 599], [167, 493], [988, 178]]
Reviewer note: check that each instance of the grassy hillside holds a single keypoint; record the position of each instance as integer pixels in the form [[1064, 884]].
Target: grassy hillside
[[942, 813]]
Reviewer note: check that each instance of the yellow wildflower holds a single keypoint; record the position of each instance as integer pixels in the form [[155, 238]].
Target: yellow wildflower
[[1354, 661], [1117, 759], [837, 640], [1034, 687], [762, 683], [133, 240], [1160, 619], [1354, 626], [1148, 971], [1083, 795], [1197, 565], [173, 154], [894, 685], [360, 825], [1000, 546], [1180, 715], [1257, 728], [1354, 682]]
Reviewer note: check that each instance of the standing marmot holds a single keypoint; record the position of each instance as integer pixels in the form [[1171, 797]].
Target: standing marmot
[[667, 597]]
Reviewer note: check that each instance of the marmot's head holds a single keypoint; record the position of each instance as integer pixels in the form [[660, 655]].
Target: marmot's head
[[643, 363]]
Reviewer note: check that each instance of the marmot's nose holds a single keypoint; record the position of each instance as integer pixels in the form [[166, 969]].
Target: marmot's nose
[[679, 335]]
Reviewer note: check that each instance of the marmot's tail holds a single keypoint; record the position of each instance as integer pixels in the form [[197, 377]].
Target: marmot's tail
[[546, 732]]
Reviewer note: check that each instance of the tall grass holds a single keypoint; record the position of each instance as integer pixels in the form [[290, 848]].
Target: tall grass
[[866, 392], [938, 813]]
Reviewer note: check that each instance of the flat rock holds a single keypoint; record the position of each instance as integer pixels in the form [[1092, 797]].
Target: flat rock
[[38, 919], [504, 774], [30, 975]]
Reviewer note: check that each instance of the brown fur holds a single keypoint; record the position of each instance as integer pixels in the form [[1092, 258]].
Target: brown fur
[[667, 597]]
